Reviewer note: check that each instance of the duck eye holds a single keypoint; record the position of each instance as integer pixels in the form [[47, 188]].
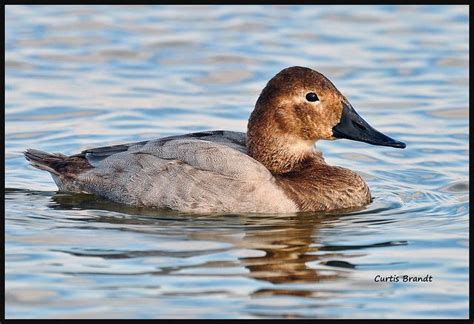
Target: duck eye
[[311, 96]]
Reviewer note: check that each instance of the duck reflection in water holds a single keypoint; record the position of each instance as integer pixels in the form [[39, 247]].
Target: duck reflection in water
[[289, 243]]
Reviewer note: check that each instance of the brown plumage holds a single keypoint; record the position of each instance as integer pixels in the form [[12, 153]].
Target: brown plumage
[[318, 186], [281, 134]]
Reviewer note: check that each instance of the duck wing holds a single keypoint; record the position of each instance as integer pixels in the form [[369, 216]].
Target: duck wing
[[201, 172], [235, 140], [223, 152]]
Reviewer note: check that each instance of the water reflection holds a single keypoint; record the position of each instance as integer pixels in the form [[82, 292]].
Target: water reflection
[[288, 252], [287, 243]]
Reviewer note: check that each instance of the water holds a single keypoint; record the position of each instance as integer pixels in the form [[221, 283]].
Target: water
[[85, 76]]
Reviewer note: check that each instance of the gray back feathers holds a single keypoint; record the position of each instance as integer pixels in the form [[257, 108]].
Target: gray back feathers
[[199, 172]]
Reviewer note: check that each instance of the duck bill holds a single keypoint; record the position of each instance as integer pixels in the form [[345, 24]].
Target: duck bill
[[353, 127]]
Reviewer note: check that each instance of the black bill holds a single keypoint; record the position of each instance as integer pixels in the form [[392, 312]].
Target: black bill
[[353, 127]]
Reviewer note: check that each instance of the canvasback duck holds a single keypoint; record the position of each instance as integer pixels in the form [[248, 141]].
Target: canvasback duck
[[273, 168]]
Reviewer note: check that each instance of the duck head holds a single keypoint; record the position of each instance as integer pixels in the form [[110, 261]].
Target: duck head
[[298, 107]]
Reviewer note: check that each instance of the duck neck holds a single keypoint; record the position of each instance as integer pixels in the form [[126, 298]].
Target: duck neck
[[279, 153]]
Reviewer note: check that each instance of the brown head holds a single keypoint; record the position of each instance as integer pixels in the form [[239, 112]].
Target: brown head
[[298, 107]]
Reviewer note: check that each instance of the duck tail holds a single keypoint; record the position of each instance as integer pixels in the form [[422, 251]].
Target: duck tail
[[56, 163], [45, 161]]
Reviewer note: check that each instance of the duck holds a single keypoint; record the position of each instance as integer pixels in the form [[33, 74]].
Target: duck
[[272, 168]]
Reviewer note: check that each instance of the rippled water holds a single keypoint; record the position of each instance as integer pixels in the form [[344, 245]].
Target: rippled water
[[85, 76]]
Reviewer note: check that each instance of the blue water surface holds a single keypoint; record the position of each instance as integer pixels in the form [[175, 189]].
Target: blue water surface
[[83, 76]]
